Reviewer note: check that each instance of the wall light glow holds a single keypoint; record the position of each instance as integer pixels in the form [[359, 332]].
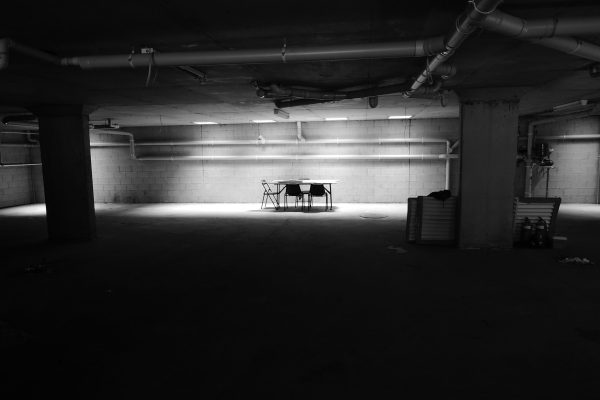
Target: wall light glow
[[262, 121], [400, 117], [205, 123], [336, 119]]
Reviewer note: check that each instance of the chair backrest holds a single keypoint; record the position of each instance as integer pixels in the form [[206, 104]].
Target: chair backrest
[[317, 190], [293, 190], [266, 186]]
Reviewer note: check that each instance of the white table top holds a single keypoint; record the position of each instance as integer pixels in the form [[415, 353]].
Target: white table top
[[303, 181]]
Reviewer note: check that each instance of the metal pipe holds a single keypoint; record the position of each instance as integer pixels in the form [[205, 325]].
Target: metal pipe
[[18, 145], [277, 142], [454, 146], [464, 27], [5, 165], [27, 121], [409, 48], [121, 133], [304, 157], [569, 137], [501, 22], [299, 136]]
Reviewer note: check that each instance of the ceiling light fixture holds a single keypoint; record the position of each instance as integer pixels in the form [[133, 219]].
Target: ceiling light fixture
[[400, 117], [336, 119], [570, 106], [281, 113], [205, 123], [262, 121]]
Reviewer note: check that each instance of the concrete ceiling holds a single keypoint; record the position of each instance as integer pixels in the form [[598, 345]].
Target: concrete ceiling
[[173, 97]]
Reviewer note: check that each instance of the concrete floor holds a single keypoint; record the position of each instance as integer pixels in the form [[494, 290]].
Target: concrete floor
[[231, 302]]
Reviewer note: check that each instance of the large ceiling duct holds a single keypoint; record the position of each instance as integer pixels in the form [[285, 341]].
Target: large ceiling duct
[[510, 25], [408, 48], [549, 32]]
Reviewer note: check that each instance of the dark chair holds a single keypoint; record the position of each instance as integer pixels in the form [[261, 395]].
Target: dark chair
[[317, 191], [293, 191], [268, 194]]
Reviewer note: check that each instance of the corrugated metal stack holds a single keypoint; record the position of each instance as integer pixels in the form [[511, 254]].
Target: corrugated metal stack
[[431, 221]]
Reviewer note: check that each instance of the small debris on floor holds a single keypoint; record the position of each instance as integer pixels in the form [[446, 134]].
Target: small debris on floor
[[39, 268], [373, 216], [10, 336], [398, 249], [575, 260]]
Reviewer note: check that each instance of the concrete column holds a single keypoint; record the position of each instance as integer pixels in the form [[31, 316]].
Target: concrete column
[[489, 131], [67, 169]]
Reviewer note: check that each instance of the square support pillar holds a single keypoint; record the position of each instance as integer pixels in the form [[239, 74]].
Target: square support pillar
[[67, 171], [489, 131]]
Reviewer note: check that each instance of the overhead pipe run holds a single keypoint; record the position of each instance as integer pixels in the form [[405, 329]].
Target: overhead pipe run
[[304, 157], [269, 142], [464, 27]]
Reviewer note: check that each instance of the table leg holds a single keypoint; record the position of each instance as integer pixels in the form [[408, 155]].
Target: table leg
[[330, 198], [278, 191]]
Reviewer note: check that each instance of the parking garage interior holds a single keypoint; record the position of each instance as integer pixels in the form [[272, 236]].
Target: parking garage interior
[[146, 250]]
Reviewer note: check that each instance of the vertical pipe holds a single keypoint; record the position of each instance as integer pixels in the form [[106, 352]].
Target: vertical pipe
[[448, 150]]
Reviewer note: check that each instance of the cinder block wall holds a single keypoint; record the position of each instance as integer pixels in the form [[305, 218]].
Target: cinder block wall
[[575, 176], [117, 178], [16, 183]]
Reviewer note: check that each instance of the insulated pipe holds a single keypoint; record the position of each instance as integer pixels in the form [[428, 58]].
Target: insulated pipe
[[304, 157], [464, 27], [506, 24], [549, 32], [572, 46], [409, 48]]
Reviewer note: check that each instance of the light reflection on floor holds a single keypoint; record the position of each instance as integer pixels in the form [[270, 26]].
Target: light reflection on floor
[[250, 210], [228, 210]]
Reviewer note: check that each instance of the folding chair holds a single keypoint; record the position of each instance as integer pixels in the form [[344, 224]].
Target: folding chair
[[269, 194]]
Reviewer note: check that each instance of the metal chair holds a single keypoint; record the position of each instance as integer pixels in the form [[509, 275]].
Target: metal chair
[[269, 194], [293, 190], [317, 190]]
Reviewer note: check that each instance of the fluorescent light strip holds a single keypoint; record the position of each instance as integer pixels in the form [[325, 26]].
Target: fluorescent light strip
[[262, 121], [337, 119], [205, 123], [400, 117]]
